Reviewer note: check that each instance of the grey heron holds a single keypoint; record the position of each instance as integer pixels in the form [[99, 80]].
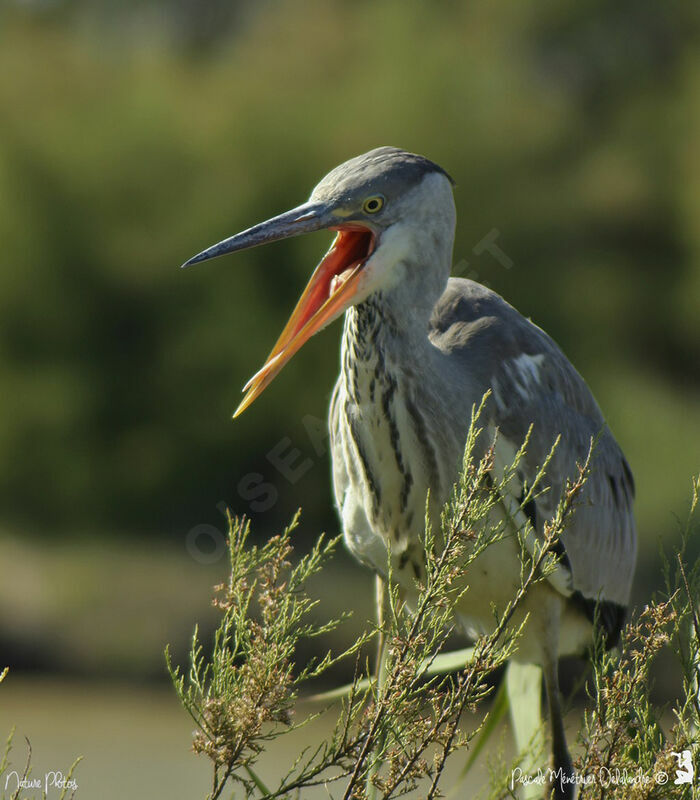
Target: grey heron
[[419, 350]]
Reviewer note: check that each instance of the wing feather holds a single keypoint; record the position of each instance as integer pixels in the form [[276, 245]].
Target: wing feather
[[533, 383]]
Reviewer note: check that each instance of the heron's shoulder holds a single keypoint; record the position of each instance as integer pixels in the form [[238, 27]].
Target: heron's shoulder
[[471, 316], [465, 300], [529, 376]]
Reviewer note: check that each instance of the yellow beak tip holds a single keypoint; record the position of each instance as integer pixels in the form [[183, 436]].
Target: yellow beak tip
[[251, 394]]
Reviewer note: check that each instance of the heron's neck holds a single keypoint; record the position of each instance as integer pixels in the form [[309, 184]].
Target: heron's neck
[[380, 322], [384, 341], [393, 386], [412, 265]]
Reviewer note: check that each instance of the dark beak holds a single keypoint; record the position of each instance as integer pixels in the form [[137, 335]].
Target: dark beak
[[303, 219]]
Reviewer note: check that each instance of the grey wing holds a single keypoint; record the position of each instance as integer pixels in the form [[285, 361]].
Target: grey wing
[[533, 383]]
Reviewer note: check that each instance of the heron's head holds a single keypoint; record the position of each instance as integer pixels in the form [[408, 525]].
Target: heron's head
[[384, 206]]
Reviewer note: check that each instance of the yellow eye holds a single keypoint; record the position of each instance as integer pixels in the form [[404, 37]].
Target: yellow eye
[[373, 204]]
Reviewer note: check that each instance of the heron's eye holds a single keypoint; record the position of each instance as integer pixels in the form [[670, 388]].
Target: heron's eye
[[373, 204]]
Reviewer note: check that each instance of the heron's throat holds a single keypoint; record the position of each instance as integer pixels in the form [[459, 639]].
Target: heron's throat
[[351, 249]]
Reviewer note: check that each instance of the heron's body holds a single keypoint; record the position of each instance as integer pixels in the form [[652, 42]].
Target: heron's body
[[419, 351], [399, 421]]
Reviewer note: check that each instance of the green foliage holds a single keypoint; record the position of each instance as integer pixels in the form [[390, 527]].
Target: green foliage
[[398, 727], [629, 745], [395, 733], [251, 683], [625, 731]]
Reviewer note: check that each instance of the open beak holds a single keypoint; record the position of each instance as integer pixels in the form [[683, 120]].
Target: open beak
[[332, 289]]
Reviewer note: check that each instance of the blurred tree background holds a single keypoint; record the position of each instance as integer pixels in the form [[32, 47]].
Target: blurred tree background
[[132, 135]]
